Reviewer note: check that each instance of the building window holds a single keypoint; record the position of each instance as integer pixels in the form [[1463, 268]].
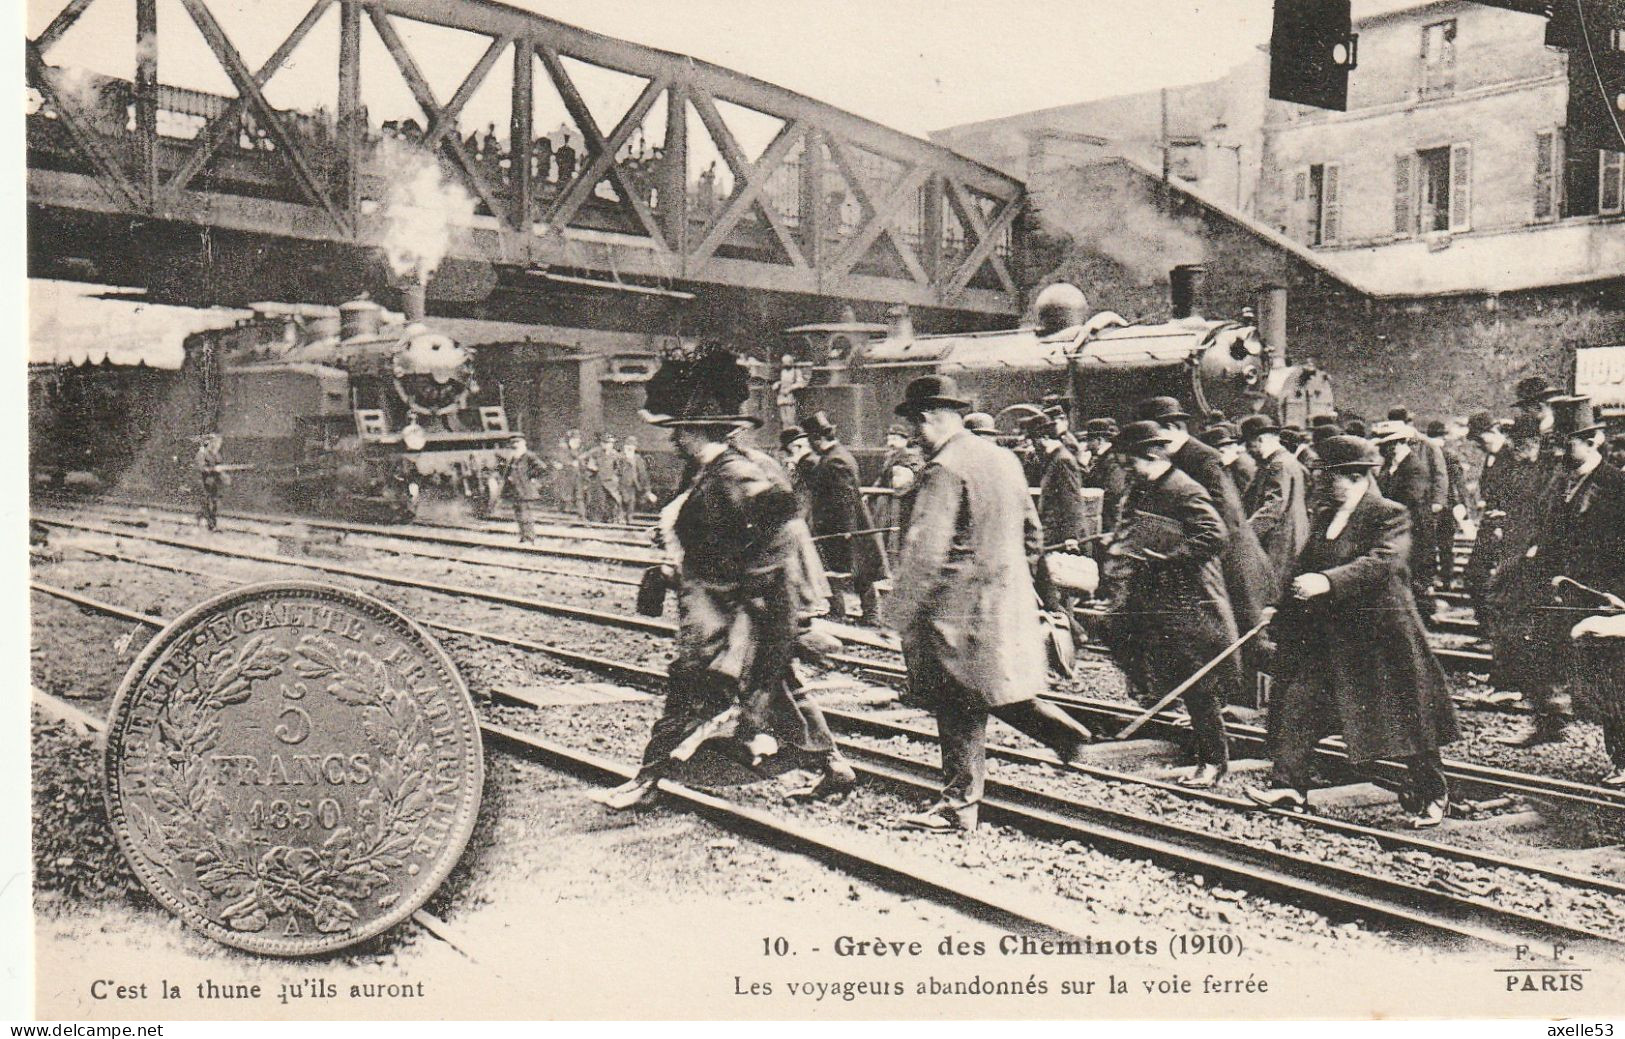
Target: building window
[[1610, 186], [1321, 202], [1439, 59], [1433, 190], [1546, 179]]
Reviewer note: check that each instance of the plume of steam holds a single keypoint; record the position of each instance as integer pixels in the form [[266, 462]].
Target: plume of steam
[[421, 210], [1104, 210]]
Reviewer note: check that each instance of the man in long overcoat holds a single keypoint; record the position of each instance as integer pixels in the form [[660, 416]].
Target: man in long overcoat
[[899, 468], [1172, 615], [211, 478], [522, 476], [1060, 499], [1496, 478], [1352, 655], [1585, 535], [965, 605], [1248, 580], [736, 591], [637, 489], [1105, 470], [1276, 501], [1407, 478], [839, 519]]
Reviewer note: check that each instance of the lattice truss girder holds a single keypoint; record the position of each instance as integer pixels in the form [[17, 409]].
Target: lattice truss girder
[[908, 194]]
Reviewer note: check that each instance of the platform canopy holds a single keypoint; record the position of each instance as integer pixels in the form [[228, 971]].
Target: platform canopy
[[77, 323]]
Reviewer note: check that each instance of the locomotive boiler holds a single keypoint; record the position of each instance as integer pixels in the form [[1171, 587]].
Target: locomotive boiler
[[1099, 364], [359, 411]]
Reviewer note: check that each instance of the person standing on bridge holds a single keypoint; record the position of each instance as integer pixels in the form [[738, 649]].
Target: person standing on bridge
[[522, 477], [212, 478], [965, 605], [1352, 656]]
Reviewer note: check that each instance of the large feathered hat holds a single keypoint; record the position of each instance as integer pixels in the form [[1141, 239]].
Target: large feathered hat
[[702, 385]]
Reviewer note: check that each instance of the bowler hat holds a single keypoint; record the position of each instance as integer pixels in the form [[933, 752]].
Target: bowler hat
[[1256, 425], [1221, 435], [1574, 417], [1436, 428], [1039, 426], [1524, 427], [705, 390], [1322, 433], [1159, 409], [1100, 427], [1323, 419], [1293, 434], [790, 434], [930, 392], [818, 426], [1390, 431], [981, 423], [1355, 428], [1535, 390], [1400, 414], [1055, 411], [1140, 434], [1481, 422], [1346, 452]]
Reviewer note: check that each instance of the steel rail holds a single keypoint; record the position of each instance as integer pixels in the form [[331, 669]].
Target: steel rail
[[1453, 658], [1087, 709], [867, 860], [1275, 873]]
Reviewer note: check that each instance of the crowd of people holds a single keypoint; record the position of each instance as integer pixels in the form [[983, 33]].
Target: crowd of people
[[1224, 550], [607, 482]]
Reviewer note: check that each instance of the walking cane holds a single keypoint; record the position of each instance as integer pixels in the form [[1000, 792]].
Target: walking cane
[[1079, 541], [1201, 673], [855, 533]]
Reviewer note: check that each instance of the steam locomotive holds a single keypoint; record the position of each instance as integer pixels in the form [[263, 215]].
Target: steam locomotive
[[354, 412], [1099, 364]]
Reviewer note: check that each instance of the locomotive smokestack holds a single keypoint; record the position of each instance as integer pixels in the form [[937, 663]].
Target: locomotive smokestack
[[413, 301], [1185, 286], [1271, 309]]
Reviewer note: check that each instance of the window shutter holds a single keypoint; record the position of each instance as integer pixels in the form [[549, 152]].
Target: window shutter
[[1404, 185], [1331, 203], [1461, 187], [1611, 166], [1545, 175]]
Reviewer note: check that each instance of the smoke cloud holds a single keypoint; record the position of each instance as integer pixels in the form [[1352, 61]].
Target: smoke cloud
[[1108, 214], [421, 209]]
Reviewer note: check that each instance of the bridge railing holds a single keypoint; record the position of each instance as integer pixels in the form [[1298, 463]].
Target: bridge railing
[[831, 203]]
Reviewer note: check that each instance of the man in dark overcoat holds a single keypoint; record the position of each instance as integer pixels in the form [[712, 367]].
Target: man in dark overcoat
[[1496, 477], [899, 468], [1276, 501], [1352, 656], [1249, 582], [1060, 499], [965, 605], [1579, 533], [1223, 438], [1585, 534], [1171, 615], [522, 477], [1105, 470], [737, 601], [840, 520], [1407, 478]]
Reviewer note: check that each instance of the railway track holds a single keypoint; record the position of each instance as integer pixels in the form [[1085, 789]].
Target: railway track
[[1098, 715], [869, 860], [1439, 909], [1454, 658]]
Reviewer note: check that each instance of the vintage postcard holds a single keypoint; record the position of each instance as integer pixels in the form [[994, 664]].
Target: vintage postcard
[[551, 510]]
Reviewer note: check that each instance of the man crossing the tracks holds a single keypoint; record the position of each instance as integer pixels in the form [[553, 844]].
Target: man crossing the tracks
[[736, 585], [601, 469], [1170, 614], [840, 521], [1352, 656], [899, 468], [1249, 582], [965, 605], [1060, 502], [1105, 469], [1496, 477], [1406, 476], [212, 478], [1276, 501], [522, 477]]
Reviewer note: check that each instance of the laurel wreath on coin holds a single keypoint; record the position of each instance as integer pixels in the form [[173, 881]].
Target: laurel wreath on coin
[[192, 821]]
